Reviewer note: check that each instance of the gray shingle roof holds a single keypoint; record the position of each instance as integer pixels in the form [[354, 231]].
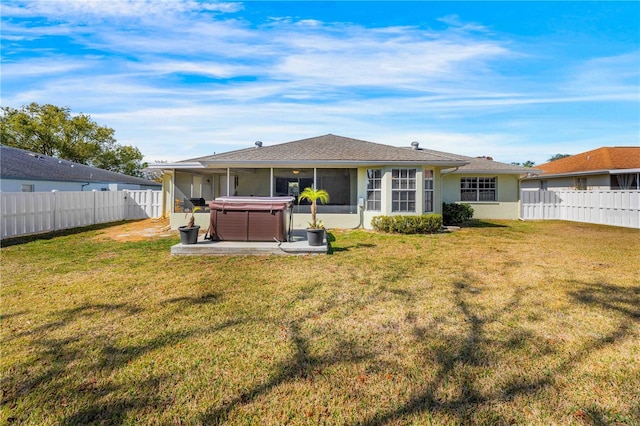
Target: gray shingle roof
[[484, 165], [17, 163], [331, 148]]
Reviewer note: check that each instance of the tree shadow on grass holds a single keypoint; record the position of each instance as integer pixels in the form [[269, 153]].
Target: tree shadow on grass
[[301, 366], [53, 365], [624, 300], [196, 300], [114, 411], [471, 351], [67, 316], [12, 315]]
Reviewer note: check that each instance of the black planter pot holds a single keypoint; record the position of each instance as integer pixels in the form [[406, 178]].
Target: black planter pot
[[189, 235], [315, 236]]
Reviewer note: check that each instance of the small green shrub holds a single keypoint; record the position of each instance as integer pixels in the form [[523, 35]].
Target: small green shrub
[[423, 224], [456, 214]]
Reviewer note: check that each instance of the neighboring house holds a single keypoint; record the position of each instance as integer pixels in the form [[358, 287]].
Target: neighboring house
[[603, 168], [363, 179], [24, 171]]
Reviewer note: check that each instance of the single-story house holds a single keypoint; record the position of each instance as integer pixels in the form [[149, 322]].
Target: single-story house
[[600, 169], [363, 179], [25, 171]]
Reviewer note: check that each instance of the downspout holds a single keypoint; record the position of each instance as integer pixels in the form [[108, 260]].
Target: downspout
[[361, 214], [83, 185]]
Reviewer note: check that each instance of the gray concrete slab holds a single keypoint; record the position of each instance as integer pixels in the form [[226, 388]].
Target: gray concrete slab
[[297, 246]]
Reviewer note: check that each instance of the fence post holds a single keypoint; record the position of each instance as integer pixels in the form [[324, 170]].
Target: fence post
[[93, 221], [55, 210], [125, 207], [149, 206]]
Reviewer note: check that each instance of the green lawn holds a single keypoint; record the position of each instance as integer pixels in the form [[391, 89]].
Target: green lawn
[[505, 323]]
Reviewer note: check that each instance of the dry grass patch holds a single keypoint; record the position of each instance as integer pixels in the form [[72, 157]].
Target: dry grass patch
[[511, 323]]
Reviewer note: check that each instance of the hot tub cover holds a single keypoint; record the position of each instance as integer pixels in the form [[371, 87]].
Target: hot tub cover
[[251, 218], [251, 203]]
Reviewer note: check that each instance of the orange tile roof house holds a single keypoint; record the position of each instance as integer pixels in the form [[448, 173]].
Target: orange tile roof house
[[600, 169]]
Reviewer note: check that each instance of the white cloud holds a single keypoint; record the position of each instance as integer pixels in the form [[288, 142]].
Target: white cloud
[[78, 9], [290, 79], [204, 68], [607, 75], [455, 22], [40, 67]]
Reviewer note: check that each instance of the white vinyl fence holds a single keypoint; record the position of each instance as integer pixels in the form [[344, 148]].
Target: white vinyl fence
[[605, 207], [24, 213]]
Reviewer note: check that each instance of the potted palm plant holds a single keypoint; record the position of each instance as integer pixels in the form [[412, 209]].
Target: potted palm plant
[[189, 233], [315, 231]]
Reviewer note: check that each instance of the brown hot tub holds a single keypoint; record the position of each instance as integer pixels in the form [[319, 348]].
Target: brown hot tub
[[250, 218]]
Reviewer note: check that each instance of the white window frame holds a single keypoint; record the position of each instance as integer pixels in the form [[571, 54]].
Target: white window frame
[[428, 190], [480, 186], [374, 190], [403, 190]]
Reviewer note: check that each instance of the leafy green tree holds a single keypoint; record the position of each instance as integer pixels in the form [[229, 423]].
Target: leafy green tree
[[52, 130], [558, 157]]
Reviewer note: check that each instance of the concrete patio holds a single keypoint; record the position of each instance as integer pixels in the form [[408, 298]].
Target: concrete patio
[[297, 246]]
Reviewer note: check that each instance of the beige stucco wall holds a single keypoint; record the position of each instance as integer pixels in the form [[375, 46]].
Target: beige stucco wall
[[181, 219], [447, 189], [386, 196], [300, 220], [506, 206]]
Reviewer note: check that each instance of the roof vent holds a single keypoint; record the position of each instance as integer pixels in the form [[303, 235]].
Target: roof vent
[[415, 144], [258, 144]]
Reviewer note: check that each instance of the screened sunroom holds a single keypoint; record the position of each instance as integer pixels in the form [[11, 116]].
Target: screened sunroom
[[193, 189]]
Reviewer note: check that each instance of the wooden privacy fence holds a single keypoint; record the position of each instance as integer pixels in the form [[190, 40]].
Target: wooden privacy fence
[[605, 207], [25, 213]]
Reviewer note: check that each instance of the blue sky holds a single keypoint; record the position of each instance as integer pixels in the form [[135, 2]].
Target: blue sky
[[180, 79]]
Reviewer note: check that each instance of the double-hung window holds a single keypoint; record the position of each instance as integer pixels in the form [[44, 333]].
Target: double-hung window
[[428, 190], [403, 190], [478, 189], [374, 190]]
